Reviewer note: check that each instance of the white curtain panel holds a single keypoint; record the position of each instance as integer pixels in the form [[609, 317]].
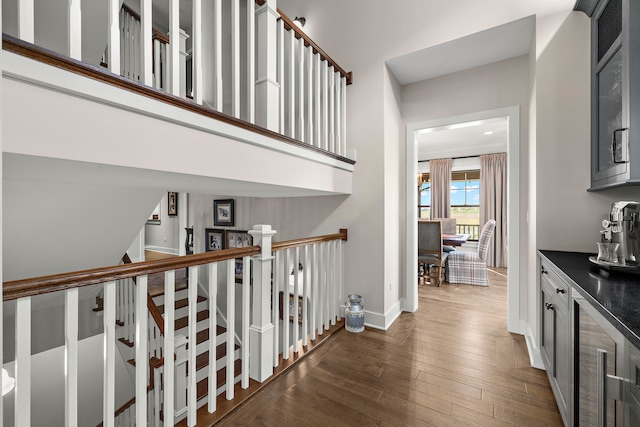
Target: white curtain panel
[[440, 175], [493, 204]]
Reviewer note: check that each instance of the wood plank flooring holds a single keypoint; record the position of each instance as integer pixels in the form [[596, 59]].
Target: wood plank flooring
[[452, 363]]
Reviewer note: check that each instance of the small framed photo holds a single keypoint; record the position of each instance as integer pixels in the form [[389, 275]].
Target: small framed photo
[[238, 239], [223, 213], [172, 203], [239, 267], [214, 239]]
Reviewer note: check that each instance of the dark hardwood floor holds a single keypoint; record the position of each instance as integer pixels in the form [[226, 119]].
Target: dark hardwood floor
[[452, 363]]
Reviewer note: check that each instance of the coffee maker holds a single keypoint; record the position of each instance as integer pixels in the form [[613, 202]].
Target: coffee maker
[[622, 228]]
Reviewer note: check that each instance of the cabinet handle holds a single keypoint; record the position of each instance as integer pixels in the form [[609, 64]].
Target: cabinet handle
[[560, 291], [608, 387], [549, 306], [542, 270], [614, 144]]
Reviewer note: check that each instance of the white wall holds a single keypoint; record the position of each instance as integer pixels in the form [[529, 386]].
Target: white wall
[[47, 385], [163, 237]]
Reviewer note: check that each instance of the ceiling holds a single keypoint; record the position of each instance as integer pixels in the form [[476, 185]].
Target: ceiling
[[463, 139], [485, 47]]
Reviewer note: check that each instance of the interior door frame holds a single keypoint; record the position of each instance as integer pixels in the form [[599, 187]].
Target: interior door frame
[[514, 322]]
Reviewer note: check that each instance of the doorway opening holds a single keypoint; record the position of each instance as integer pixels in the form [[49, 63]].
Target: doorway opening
[[512, 117]]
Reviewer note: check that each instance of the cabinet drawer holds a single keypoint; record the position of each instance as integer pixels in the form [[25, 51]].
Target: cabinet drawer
[[554, 284]]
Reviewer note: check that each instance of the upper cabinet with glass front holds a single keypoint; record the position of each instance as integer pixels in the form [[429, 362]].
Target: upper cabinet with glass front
[[615, 92]]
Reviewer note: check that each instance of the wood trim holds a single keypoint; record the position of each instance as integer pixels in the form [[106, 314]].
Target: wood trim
[[279, 246], [28, 50], [289, 25], [151, 304], [60, 282]]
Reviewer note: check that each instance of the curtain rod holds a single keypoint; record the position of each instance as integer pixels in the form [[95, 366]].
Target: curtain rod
[[453, 158]]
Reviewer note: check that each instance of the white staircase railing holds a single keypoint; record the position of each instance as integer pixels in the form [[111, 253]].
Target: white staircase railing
[[258, 67], [274, 332]]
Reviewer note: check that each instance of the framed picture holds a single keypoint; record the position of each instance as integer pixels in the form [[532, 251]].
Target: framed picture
[[214, 239], [172, 203], [223, 214], [238, 239], [239, 267]]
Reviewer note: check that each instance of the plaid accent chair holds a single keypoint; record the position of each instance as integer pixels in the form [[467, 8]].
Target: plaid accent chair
[[470, 267]]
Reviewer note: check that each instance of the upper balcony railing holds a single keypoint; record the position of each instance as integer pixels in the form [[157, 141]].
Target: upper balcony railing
[[244, 59]]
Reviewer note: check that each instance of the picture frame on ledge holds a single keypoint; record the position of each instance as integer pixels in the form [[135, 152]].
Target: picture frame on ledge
[[172, 203], [238, 239], [223, 213], [214, 239]]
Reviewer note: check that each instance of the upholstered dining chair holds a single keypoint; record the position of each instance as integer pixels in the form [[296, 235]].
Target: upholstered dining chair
[[471, 267], [448, 227], [430, 248]]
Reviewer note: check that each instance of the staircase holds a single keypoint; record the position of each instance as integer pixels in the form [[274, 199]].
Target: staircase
[[181, 325]]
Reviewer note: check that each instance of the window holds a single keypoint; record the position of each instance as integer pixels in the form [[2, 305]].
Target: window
[[424, 196], [465, 202]]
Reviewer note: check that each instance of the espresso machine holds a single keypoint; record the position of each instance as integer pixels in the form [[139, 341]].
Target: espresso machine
[[619, 246]]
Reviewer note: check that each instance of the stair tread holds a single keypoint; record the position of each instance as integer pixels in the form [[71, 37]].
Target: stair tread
[[202, 388], [184, 321], [182, 303]]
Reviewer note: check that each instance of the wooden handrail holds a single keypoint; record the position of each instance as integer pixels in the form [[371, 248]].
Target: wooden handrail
[[37, 53], [60, 282], [288, 244], [289, 25]]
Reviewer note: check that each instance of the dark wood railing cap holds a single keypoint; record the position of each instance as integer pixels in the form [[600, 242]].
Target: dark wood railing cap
[[60, 282]]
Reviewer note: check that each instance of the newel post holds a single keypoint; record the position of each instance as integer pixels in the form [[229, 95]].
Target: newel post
[[267, 86], [261, 332]]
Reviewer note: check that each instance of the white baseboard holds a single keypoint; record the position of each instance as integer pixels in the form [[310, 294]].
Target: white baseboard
[[383, 321], [535, 358], [160, 249]]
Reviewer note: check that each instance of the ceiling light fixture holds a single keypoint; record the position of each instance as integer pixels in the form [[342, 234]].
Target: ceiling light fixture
[[299, 21]]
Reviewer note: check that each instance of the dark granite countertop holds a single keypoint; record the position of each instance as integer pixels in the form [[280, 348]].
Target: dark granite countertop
[[615, 295]]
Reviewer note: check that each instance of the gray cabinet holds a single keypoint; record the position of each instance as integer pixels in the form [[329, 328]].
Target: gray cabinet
[[556, 336], [599, 368], [632, 388], [615, 94]]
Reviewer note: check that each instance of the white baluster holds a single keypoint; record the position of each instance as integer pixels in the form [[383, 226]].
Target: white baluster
[[142, 357], [275, 311], [332, 112], [196, 57], [251, 61], [174, 47], [71, 357], [169, 342], [343, 121], [246, 291], [157, 380], [193, 325], [132, 312], [314, 290], [213, 327], [310, 101], [231, 330], [296, 303], [340, 270], [113, 11], [301, 91], [182, 386], [235, 58], [338, 107], [22, 409], [74, 29], [317, 97], [285, 305], [146, 23], [291, 101], [219, 88], [157, 65], [306, 296], [26, 20], [325, 106], [334, 282], [109, 381]]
